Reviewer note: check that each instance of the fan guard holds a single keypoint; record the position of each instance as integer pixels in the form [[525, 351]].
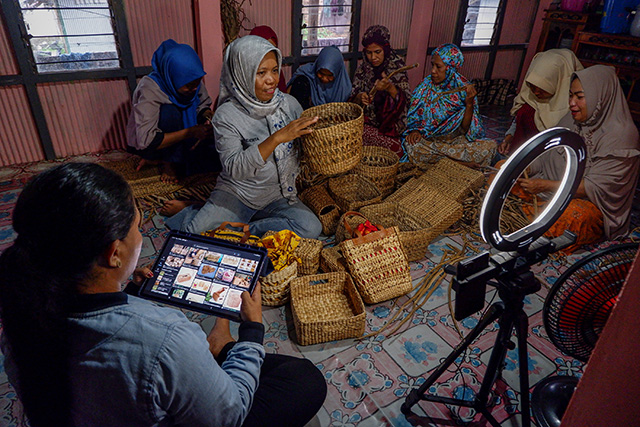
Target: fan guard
[[580, 302]]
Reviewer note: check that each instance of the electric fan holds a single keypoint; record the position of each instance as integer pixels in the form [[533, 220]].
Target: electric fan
[[579, 304]]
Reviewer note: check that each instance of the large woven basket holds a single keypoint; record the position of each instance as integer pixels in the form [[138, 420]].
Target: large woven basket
[[326, 307], [335, 145], [414, 236], [275, 289], [380, 165], [453, 179], [331, 259], [325, 208], [354, 219], [352, 191]]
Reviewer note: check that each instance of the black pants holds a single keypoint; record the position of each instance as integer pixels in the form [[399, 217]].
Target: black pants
[[290, 392]]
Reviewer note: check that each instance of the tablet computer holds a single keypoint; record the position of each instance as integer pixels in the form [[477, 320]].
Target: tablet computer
[[204, 274]]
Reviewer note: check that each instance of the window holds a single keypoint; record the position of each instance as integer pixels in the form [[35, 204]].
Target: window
[[326, 23], [67, 35], [480, 22]]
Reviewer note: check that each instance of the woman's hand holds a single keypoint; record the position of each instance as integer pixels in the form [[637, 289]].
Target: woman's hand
[[141, 273], [535, 186], [207, 115], [471, 95], [201, 132], [295, 129], [385, 84], [251, 310], [363, 99], [413, 137], [505, 147]]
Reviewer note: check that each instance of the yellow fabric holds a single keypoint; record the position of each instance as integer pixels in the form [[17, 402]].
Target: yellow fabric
[[281, 247], [233, 236]]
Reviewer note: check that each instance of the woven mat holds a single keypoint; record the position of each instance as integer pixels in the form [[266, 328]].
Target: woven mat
[[151, 193]]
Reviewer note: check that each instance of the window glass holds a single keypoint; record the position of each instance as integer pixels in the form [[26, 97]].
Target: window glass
[[325, 23], [480, 22]]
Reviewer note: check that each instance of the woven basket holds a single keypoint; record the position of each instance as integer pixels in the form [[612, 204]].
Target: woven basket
[[415, 237], [335, 145], [275, 289], [354, 219], [380, 165], [331, 259], [325, 208], [406, 171], [379, 265], [308, 250], [453, 179], [326, 307], [352, 191]]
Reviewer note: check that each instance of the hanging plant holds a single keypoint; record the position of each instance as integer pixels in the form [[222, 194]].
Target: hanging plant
[[233, 16]]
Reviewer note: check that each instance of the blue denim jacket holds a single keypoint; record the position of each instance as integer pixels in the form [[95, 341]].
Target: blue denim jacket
[[135, 363]]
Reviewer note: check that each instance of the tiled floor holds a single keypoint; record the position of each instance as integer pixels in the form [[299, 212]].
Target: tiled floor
[[369, 379]]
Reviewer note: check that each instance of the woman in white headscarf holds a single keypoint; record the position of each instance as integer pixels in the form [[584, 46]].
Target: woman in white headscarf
[[255, 127], [542, 100]]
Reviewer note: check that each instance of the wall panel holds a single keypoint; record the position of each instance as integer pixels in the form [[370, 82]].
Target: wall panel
[[86, 116], [475, 65], [443, 25], [396, 16], [517, 19], [507, 64], [150, 22], [8, 64], [274, 13], [19, 140]]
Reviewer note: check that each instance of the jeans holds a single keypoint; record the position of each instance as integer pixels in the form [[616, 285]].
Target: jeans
[[222, 206]]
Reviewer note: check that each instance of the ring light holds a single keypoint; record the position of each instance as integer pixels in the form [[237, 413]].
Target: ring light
[[550, 139]]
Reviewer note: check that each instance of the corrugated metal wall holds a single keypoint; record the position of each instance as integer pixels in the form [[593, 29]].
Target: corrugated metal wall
[[8, 64], [396, 16], [19, 140]]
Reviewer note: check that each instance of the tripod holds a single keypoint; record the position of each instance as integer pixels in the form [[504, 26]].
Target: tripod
[[510, 315]]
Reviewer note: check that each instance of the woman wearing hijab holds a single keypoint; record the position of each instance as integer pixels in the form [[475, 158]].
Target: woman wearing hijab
[[600, 114], [443, 118], [325, 80], [386, 112], [542, 100], [255, 127], [171, 112], [269, 35]]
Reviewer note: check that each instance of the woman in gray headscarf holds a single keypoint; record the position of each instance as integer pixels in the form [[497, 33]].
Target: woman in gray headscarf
[[255, 127], [600, 114]]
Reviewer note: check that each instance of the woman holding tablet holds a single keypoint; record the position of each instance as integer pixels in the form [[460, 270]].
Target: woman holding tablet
[[81, 352]]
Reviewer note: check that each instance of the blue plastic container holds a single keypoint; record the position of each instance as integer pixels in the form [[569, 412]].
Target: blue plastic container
[[615, 17]]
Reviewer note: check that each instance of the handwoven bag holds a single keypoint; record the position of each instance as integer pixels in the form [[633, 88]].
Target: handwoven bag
[[331, 259], [224, 232], [317, 198], [352, 219], [378, 264]]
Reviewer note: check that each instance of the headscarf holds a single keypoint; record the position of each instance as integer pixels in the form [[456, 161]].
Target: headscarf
[[434, 115], [366, 76], [267, 33], [175, 65], [550, 71], [330, 58]]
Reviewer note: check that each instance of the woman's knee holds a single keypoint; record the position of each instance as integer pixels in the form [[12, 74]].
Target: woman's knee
[[309, 226]]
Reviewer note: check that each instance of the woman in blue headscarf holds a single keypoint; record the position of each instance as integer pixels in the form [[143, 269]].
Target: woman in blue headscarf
[[443, 118], [171, 112], [326, 80]]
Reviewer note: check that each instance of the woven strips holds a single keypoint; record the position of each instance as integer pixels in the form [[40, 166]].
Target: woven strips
[[352, 191], [378, 264], [415, 237], [326, 307], [275, 286], [453, 179], [380, 165], [317, 198], [335, 145], [331, 259]]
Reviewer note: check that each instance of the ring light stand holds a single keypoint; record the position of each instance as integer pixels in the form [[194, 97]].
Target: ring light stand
[[510, 269]]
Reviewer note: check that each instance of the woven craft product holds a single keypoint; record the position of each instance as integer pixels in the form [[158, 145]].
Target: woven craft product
[[326, 307], [406, 171], [308, 250], [453, 179], [378, 264], [352, 191], [380, 165], [224, 232], [317, 198], [414, 236], [274, 288], [331, 259], [353, 219], [335, 145]]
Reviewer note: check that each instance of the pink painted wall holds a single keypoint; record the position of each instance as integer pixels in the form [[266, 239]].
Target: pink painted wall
[[8, 65], [419, 40], [535, 36], [19, 141], [210, 42]]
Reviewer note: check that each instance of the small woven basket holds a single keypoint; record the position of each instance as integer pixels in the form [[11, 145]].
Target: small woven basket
[[308, 250], [380, 165], [274, 288], [326, 307], [335, 145], [325, 208], [453, 179], [414, 236], [331, 259], [352, 191], [354, 219]]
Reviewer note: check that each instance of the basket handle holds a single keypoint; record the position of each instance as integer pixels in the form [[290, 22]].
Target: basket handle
[[245, 229], [372, 237], [346, 223]]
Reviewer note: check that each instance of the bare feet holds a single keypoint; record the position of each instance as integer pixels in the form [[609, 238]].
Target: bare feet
[[219, 336], [144, 162], [168, 173], [172, 207]]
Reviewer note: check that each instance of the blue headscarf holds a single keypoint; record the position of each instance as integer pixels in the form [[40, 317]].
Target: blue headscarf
[[175, 65], [330, 58]]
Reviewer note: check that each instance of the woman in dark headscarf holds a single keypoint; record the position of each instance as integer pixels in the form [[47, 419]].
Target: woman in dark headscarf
[[171, 111], [386, 111], [269, 35]]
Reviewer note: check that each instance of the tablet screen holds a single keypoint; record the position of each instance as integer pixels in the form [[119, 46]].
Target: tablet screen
[[204, 274]]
